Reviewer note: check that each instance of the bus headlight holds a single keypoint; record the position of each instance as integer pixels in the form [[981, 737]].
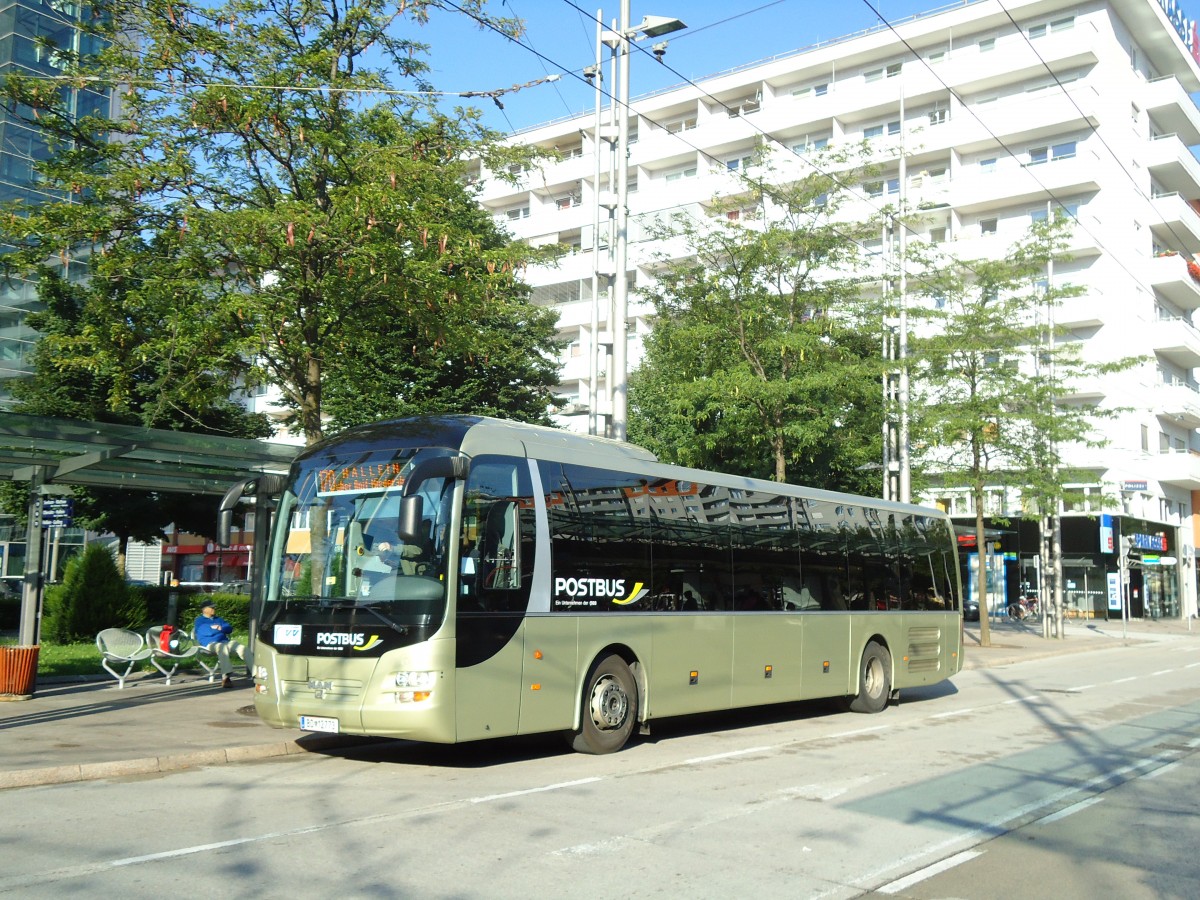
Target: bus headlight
[[260, 673], [416, 680], [415, 686]]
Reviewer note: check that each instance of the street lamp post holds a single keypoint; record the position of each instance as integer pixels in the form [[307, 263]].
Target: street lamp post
[[619, 43]]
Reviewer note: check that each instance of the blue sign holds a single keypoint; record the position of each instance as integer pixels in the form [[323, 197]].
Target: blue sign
[[58, 512]]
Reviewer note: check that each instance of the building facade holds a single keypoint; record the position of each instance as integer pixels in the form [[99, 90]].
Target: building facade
[[989, 117], [36, 36]]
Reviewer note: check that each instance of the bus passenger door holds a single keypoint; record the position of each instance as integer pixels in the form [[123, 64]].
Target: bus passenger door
[[495, 576]]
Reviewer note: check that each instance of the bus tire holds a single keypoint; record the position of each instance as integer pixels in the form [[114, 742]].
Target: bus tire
[[874, 680], [610, 708]]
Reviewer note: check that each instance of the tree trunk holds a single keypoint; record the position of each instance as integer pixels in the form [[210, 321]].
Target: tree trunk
[[985, 632]]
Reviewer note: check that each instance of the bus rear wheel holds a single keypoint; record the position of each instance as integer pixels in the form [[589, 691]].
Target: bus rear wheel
[[874, 680], [610, 708]]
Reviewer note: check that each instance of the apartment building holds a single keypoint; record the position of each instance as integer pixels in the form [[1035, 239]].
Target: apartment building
[[988, 116]]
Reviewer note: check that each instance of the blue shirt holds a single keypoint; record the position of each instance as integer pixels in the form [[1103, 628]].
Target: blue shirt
[[211, 630]]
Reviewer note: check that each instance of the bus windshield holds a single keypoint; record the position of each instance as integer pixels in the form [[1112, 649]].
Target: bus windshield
[[341, 544]]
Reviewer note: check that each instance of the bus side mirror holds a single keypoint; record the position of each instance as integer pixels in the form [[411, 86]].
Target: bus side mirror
[[412, 510]]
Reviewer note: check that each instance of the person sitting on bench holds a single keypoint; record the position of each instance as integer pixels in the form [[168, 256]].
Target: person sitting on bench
[[212, 633]]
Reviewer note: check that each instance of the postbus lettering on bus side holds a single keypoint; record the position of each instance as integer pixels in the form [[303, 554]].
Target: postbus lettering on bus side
[[603, 588]]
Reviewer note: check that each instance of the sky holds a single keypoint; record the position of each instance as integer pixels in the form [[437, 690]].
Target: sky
[[561, 35]]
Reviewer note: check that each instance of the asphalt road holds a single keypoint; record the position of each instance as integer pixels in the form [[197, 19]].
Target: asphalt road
[[1045, 778]]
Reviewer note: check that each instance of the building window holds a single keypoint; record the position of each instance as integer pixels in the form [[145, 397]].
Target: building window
[[987, 166], [879, 74], [1053, 27], [517, 212], [938, 236], [678, 174], [939, 116], [812, 90], [988, 226], [877, 131], [1039, 155], [936, 57], [737, 163], [987, 45], [683, 123], [809, 144], [879, 188]]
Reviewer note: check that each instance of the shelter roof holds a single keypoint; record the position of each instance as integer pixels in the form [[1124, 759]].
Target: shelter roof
[[97, 454]]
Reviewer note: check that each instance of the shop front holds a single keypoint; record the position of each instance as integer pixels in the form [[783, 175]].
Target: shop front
[[1094, 577]]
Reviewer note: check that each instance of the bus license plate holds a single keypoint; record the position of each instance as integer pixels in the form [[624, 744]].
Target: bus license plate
[[319, 723]]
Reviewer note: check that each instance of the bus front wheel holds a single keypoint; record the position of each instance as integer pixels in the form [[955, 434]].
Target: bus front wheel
[[874, 680], [610, 708]]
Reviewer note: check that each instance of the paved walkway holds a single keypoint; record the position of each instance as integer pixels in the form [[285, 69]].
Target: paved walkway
[[76, 731]]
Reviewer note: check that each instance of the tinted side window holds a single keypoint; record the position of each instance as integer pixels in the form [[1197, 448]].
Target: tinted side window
[[497, 536], [600, 539]]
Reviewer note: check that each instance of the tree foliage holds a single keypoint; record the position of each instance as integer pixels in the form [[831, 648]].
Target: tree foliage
[[92, 597], [281, 197], [993, 380], [763, 357], [96, 361]]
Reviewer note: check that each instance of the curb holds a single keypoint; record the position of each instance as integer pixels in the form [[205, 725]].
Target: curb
[[152, 765]]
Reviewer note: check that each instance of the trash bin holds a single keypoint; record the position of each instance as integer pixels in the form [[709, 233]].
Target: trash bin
[[18, 672]]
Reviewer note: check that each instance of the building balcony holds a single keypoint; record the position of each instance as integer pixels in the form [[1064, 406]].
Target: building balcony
[[1172, 165], [1171, 277], [1169, 105], [1025, 117], [971, 72], [1078, 312], [1178, 402], [1179, 468], [1176, 341], [979, 192], [1176, 222]]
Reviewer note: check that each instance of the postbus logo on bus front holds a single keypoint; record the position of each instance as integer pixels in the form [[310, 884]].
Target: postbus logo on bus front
[[586, 591]]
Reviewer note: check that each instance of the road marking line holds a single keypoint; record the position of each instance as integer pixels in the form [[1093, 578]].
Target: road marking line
[[1082, 687], [953, 712], [929, 871], [1162, 672], [1021, 699], [1162, 770], [1123, 680], [537, 790], [1068, 811], [696, 760]]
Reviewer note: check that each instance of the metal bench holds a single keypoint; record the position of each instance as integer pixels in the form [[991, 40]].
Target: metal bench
[[184, 648], [122, 647]]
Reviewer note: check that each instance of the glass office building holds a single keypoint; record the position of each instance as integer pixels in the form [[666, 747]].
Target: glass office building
[[37, 37]]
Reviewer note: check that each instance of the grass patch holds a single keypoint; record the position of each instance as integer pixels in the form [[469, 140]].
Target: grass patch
[[83, 659]]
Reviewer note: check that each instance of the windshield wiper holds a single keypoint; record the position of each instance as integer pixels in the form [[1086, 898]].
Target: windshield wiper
[[399, 629]]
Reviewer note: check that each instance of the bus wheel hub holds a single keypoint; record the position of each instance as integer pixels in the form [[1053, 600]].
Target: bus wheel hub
[[609, 705]]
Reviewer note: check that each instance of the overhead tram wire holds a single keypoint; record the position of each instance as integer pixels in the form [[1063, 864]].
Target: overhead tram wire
[[545, 71], [1008, 150]]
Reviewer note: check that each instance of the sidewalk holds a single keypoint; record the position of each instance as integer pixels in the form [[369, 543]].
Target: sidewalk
[[79, 731]]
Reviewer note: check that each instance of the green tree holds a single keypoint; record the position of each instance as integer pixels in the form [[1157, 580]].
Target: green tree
[[509, 372], [992, 380], [300, 198], [763, 355], [92, 597]]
